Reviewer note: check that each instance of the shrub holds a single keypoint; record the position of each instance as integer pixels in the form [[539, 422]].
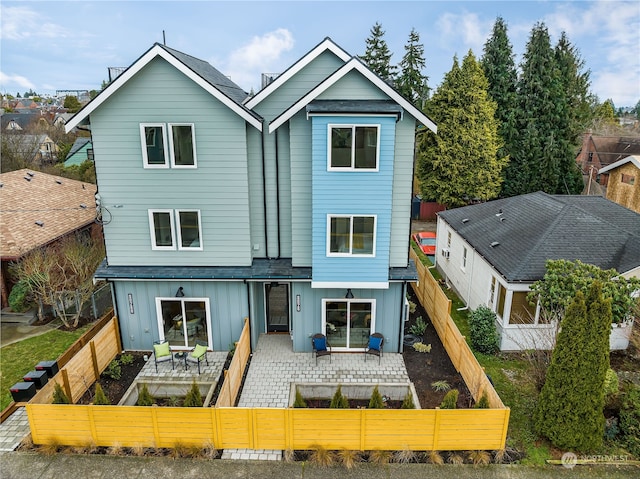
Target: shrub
[[349, 458], [100, 398], [144, 398], [114, 371], [19, 297], [630, 418], [59, 396], [322, 457], [339, 401], [483, 403], [193, 397], [380, 457], [126, 359], [441, 386], [435, 457], [299, 402], [407, 402], [482, 329], [450, 400], [376, 401], [611, 383], [422, 348], [479, 457], [419, 327]]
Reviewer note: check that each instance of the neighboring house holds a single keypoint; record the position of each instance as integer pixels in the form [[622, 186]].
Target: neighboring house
[[291, 207], [33, 149], [37, 209], [20, 121], [492, 252], [81, 151], [61, 119], [598, 152], [624, 182]]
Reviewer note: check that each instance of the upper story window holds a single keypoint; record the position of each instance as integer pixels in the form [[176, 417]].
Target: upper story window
[[165, 235], [628, 179], [351, 235], [178, 151], [353, 147]]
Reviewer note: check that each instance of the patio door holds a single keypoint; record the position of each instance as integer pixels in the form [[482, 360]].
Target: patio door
[[277, 307], [183, 321], [348, 323]]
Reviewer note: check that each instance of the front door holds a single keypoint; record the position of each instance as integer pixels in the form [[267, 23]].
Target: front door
[[277, 306]]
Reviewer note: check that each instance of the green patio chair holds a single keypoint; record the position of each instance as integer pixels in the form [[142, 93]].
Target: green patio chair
[[162, 353], [197, 354]]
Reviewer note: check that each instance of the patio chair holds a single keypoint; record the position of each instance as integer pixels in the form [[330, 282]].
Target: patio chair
[[162, 353], [197, 354], [376, 340], [320, 346]]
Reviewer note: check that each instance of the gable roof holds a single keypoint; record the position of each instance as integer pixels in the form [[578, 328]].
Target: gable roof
[[352, 65], [527, 230], [613, 148], [53, 200], [80, 142], [633, 159], [197, 70], [325, 45]]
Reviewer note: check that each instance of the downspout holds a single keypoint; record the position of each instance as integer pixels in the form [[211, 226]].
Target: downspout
[[249, 315], [264, 197], [402, 319], [278, 192]]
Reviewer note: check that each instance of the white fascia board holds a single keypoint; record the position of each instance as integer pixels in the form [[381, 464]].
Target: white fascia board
[[349, 285], [353, 64], [154, 52], [634, 159], [327, 44]]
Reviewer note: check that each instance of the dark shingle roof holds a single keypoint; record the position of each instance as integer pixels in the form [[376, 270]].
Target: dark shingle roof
[[532, 228], [354, 106], [77, 145], [210, 74]]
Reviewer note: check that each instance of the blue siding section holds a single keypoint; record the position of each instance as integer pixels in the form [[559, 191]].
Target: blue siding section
[[351, 192]]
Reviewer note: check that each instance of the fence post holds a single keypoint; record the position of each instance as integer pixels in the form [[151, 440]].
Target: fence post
[[94, 359], [67, 386], [436, 430]]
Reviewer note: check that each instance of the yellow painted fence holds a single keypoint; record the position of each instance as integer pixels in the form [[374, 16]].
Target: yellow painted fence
[[268, 428]]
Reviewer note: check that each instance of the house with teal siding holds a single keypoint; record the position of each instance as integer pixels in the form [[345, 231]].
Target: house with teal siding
[[80, 151], [290, 207]]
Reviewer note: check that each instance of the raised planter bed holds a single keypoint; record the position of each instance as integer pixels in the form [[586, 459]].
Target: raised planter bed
[[164, 390], [356, 392]]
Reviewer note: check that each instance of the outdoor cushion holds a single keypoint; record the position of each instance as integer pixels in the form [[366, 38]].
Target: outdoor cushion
[[320, 344], [161, 350], [199, 351], [374, 343]]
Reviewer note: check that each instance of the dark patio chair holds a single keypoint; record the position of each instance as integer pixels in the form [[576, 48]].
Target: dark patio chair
[[320, 346], [376, 341]]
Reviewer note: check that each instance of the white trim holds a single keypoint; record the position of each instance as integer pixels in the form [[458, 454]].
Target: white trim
[[153, 52], [634, 159], [172, 152], [350, 284], [326, 44], [353, 126], [350, 254], [143, 141], [353, 64], [152, 230], [372, 324], [179, 231], [182, 300]]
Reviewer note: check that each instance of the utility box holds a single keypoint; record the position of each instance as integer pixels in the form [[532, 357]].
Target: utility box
[[22, 392], [39, 378], [51, 367]]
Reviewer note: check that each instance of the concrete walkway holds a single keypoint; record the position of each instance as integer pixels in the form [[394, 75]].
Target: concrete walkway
[[274, 366]]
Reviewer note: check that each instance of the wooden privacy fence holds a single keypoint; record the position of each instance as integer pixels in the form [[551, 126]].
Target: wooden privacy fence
[[80, 370], [438, 307], [233, 376], [269, 428]]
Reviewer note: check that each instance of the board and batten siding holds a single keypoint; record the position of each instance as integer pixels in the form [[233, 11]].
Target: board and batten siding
[[301, 187], [227, 302], [366, 193], [218, 187]]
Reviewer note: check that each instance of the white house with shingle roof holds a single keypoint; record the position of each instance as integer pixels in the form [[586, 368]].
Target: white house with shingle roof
[[491, 253], [37, 209]]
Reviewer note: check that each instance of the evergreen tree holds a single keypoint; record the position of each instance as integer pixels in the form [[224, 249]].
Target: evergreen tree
[[499, 67], [377, 55], [460, 163], [411, 83], [100, 398], [376, 401], [570, 406]]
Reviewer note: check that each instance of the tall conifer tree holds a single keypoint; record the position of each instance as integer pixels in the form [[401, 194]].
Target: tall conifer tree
[[377, 55], [460, 163], [411, 83]]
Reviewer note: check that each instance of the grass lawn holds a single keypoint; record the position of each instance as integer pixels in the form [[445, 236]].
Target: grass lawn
[[19, 358]]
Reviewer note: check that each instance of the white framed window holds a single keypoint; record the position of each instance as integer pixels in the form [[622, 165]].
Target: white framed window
[[351, 235], [165, 235], [182, 143], [183, 321], [154, 145], [348, 323], [353, 147], [162, 230]]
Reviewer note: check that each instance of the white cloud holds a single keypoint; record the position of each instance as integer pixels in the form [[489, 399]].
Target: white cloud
[[10, 82], [20, 23], [465, 30], [261, 55]]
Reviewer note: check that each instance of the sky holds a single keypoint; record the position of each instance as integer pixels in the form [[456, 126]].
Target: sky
[[68, 45]]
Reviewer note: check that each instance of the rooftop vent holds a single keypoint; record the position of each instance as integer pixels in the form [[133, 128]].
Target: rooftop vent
[[40, 223], [28, 178], [31, 174], [502, 219], [59, 182], [83, 206], [494, 244], [465, 220]]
